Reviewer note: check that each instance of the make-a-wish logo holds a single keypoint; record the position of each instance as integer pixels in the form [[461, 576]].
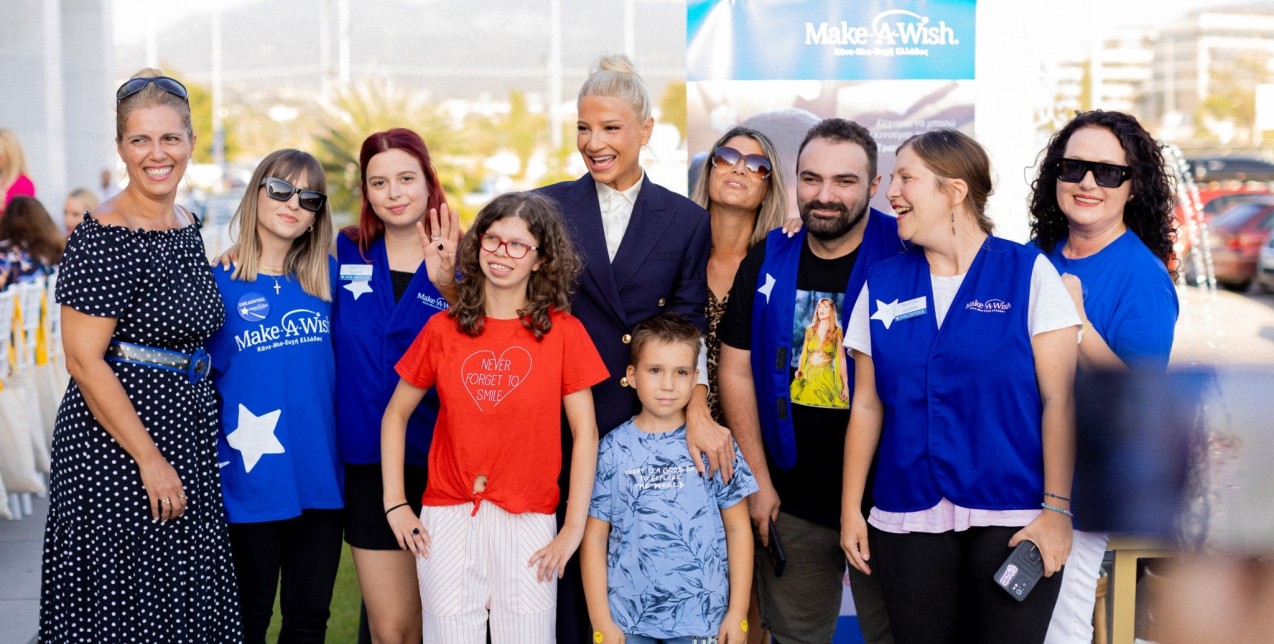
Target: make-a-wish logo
[[436, 302], [994, 305], [896, 32]]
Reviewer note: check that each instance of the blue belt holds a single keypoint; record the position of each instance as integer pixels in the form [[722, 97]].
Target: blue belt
[[195, 365]]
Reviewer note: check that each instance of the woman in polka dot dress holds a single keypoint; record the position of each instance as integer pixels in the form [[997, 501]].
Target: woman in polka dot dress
[[136, 547]]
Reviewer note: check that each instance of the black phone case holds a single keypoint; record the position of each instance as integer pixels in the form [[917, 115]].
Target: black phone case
[[1021, 571], [777, 556]]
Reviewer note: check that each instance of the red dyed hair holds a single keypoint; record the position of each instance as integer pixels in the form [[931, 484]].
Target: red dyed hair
[[370, 228]]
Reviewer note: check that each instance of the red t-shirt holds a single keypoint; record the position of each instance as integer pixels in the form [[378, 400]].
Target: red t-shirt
[[501, 396]]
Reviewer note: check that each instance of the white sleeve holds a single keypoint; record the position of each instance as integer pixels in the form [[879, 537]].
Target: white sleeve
[[858, 334], [1051, 306], [702, 364]]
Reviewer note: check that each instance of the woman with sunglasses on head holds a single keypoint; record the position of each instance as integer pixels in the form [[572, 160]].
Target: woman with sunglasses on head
[[136, 547], [645, 252], [1101, 209], [406, 236], [964, 351], [275, 372]]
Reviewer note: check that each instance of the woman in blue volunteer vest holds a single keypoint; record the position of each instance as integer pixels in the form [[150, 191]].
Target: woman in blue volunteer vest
[[274, 370], [1101, 209], [964, 351], [383, 298]]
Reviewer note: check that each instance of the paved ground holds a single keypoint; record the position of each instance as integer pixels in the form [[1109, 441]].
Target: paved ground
[[1215, 328]]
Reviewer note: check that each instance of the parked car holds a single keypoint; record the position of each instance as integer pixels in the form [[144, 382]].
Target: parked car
[[1221, 168], [1265, 266], [1236, 237], [1215, 198]]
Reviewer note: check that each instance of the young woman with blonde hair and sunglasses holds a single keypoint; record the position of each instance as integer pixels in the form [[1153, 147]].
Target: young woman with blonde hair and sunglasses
[[275, 372]]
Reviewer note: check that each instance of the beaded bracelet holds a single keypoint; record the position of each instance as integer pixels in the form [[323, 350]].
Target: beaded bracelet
[[396, 507], [1056, 509], [1057, 496]]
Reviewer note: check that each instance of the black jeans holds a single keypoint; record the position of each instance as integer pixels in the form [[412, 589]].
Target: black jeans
[[938, 588], [307, 549]]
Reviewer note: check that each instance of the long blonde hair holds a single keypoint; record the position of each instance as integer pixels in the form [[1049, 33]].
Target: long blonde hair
[[770, 213], [307, 257], [13, 163]]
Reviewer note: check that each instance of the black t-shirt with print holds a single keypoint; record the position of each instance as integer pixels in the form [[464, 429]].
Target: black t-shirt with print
[[810, 490]]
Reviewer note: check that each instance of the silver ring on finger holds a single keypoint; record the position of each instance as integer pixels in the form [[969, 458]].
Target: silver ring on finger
[[165, 501], [436, 237]]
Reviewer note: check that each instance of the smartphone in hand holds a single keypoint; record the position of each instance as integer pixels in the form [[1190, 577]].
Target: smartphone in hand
[[1021, 571], [777, 556]]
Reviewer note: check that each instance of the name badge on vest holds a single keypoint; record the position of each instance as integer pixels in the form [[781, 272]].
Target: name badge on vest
[[351, 272], [359, 277], [895, 311]]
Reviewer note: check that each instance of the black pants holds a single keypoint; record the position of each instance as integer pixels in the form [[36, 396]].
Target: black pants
[[938, 588], [307, 550]]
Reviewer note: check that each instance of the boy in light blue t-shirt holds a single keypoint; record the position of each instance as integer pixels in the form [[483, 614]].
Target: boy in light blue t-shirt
[[667, 554]]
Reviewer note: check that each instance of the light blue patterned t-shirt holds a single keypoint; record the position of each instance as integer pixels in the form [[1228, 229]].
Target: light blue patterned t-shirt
[[666, 565]]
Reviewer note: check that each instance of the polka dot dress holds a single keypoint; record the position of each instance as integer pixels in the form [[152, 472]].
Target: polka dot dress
[[110, 573]]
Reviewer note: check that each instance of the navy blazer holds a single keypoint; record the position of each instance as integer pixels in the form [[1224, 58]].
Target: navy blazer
[[661, 266]]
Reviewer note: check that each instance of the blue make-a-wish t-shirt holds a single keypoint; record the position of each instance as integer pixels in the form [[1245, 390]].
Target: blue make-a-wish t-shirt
[[275, 374], [666, 565], [1129, 298]]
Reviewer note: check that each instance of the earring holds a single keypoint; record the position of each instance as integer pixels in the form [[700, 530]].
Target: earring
[[310, 229], [953, 223]]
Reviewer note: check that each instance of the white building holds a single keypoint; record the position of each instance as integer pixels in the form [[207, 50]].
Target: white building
[[56, 59]]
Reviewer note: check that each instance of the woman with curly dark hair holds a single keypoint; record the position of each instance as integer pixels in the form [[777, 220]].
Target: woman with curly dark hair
[[506, 361], [1101, 209]]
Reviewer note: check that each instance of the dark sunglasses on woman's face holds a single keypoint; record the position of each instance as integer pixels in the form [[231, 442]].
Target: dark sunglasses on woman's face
[[1107, 175], [726, 158], [280, 190], [134, 85]]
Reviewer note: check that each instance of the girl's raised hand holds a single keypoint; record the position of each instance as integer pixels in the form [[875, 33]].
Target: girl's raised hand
[[409, 531], [440, 240]]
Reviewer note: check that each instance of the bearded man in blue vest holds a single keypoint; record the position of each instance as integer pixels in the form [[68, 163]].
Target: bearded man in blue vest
[[785, 382]]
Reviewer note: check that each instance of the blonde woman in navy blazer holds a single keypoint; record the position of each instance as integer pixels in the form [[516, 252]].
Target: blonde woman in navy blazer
[[651, 261]]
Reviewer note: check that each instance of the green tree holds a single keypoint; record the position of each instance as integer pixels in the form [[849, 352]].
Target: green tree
[[375, 106], [201, 120], [672, 106], [1231, 97]]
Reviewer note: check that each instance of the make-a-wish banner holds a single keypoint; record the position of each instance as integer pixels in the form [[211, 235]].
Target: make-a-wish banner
[[779, 66]]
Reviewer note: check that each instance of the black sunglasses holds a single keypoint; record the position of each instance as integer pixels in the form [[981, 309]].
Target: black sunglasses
[[1107, 175], [727, 157], [134, 85], [280, 190]]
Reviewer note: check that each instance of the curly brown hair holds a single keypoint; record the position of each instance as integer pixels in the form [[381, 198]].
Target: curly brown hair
[[548, 288], [1148, 213]]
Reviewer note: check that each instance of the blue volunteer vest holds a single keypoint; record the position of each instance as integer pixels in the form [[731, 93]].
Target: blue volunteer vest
[[370, 332], [962, 406], [773, 309]]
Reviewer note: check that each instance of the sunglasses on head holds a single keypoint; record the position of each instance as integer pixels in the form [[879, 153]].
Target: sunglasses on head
[[134, 85], [726, 158], [280, 190], [1107, 175]]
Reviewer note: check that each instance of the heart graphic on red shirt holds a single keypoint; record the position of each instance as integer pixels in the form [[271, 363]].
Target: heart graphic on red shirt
[[489, 379]]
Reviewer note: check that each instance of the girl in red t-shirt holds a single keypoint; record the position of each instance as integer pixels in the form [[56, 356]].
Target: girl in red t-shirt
[[505, 361]]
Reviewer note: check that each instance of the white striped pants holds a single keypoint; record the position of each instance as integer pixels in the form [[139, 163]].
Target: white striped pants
[[477, 564]]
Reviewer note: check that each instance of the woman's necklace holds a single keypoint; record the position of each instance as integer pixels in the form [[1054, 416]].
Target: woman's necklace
[[276, 279]]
